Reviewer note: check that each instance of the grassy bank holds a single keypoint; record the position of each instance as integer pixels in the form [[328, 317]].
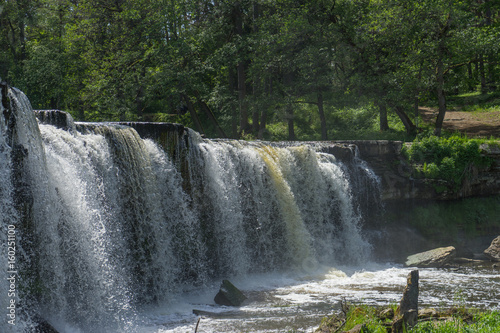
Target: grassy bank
[[369, 319]]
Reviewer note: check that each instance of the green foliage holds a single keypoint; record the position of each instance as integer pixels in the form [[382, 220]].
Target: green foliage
[[487, 322], [361, 123], [366, 315], [449, 158], [319, 69], [476, 100], [458, 321]]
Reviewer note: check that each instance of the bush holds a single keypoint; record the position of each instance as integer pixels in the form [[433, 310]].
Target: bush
[[446, 158]]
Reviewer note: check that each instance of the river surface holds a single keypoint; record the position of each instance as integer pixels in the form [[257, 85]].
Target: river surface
[[296, 303]]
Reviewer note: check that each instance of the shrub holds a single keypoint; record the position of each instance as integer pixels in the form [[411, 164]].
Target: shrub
[[449, 159]]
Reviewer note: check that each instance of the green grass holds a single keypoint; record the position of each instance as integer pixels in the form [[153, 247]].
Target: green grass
[[488, 322], [361, 122], [453, 321], [475, 100], [362, 314]]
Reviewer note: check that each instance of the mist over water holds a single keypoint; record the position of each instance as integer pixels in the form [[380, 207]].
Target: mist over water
[[116, 236]]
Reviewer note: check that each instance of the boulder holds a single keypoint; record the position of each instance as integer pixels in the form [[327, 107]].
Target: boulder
[[386, 314], [57, 118], [493, 252], [229, 295], [407, 311], [433, 258], [428, 313]]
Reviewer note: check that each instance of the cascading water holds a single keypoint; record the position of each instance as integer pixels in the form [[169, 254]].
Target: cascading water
[[110, 223]]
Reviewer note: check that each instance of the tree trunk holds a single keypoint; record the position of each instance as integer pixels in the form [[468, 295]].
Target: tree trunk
[[322, 118], [238, 24], [288, 82], [139, 102], [492, 75], [441, 98], [289, 116], [263, 121], [409, 126], [256, 107], [384, 124], [255, 121], [234, 111], [257, 80], [470, 82], [415, 108], [194, 116], [22, 40], [268, 86], [211, 116], [244, 126], [482, 75]]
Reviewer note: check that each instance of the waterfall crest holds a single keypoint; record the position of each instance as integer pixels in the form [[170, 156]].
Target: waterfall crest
[[113, 221]]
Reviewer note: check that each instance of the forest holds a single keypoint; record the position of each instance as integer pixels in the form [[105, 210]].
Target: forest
[[252, 69]]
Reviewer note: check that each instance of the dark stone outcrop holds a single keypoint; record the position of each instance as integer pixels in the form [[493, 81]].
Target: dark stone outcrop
[[385, 158], [432, 258], [409, 301], [407, 312], [493, 251], [57, 118], [229, 295], [4, 99], [154, 131], [169, 135]]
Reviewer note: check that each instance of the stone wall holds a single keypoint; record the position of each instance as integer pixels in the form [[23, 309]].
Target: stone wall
[[397, 184], [383, 156]]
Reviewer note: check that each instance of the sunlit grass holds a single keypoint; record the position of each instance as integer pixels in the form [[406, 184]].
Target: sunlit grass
[[451, 321]]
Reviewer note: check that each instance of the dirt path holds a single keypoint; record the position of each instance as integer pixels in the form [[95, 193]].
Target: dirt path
[[474, 124]]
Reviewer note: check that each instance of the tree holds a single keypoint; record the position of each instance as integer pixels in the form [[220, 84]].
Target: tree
[[15, 18]]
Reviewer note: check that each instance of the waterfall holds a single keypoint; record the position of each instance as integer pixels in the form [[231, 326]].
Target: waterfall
[[8, 223], [110, 221]]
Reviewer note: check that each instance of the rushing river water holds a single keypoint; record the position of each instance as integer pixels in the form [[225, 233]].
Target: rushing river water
[[286, 303]]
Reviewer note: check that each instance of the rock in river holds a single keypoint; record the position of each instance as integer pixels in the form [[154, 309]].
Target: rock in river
[[229, 295], [433, 258], [493, 252]]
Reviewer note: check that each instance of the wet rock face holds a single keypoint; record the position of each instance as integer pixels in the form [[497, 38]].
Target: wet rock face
[[433, 258], [229, 295], [386, 160], [493, 252], [409, 301], [57, 118]]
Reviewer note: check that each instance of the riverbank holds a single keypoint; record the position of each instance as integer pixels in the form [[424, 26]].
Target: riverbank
[[364, 318], [409, 316]]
